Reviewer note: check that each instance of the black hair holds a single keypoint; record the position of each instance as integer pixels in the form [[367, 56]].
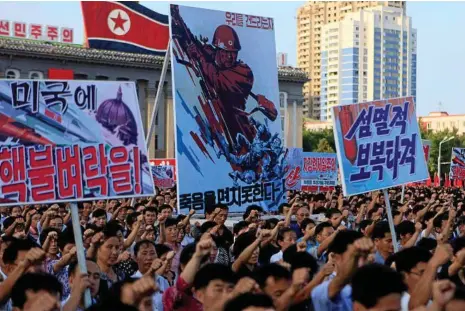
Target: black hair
[[270, 223], [74, 264], [140, 243], [365, 223], [44, 234], [300, 259], [282, 232], [132, 218], [305, 223], [161, 249], [282, 206], [242, 241], [11, 252], [8, 222], [428, 244], [210, 272], [34, 282], [99, 213], [247, 300], [65, 237], [405, 227], [207, 226], [458, 244], [186, 254], [170, 222], [273, 270], [408, 258], [239, 226], [150, 209], [137, 205], [251, 208], [367, 288], [330, 212], [320, 227], [164, 206], [342, 240], [380, 230], [437, 222]]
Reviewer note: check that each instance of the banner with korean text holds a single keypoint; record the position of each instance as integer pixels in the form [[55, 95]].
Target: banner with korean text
[[293, 168], [169, 170], [229, 141], [63, 141], [457, 164], [378, 145], [319, 171]]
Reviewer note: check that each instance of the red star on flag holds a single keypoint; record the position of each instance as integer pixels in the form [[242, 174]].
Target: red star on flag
[[119, 22]]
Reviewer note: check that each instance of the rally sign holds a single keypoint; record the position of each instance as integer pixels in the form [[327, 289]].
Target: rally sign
[[229, 143], [65, 141], [457, 164], [165, 162], [378, 144], [293, 168], [426, 148], [163, 176], [319, 171]]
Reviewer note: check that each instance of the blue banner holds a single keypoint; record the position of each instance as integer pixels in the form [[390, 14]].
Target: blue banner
[[318, 170]]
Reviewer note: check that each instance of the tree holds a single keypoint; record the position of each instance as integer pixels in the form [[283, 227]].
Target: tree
[[311, 139], [324, 146]]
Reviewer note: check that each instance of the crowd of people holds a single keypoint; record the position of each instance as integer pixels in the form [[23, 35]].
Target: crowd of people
[[320, 251]]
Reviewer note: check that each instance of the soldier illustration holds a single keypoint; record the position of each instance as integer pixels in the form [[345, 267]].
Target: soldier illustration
[[226, 82]]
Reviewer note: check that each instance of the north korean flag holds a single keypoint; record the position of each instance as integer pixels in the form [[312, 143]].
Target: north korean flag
[[125, 26]]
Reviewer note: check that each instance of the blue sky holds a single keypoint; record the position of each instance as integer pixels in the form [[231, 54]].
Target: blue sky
[[441, 54]]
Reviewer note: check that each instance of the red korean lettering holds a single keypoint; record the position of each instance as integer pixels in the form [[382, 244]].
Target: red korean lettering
[[120, 170], [252, 21], [35, 31], [4, 28], [41, 174], [19, 29], [52, 33], [95, 168], [13, 173], [266, 23], [66, 35], [239, 19], [69, 175], [230, 19], [137, 171]]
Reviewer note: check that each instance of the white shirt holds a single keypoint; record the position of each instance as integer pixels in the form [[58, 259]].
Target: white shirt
[[276, 257], [162, 284]]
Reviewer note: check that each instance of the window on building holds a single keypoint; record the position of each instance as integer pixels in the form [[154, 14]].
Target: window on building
[[101, 78], [122, 79], [80, 76], [156, 119], [156, 142], [12, 74]]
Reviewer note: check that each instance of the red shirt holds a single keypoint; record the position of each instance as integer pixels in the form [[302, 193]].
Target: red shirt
[[179, 298]]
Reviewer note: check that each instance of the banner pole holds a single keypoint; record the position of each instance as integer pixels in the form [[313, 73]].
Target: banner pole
[[391, 221], [80, 249]]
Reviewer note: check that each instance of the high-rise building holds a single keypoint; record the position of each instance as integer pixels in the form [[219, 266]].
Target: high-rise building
[[310, 19], [369, 55]]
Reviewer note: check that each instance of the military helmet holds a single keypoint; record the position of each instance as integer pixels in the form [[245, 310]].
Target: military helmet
[[226, 38]]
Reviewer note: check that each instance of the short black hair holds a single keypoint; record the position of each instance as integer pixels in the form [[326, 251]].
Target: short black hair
[[408, 258], [8, 222], [282, 232], [150, 209], [251, 208], [380, 230], [458, 244], [342, 240], [299, 260], [242, 241], [11, 252], [247, 300], [365, 223], [207, 226], [320, 227], [428, 244], [332, 211], [213, 271], [99, 213], [34, 282], [405, 227], [44, 234], [132, 218], [305, 223], [282, 206], [170, 222], [65, 237], [111, 229], [273, 270], [140, 243], [239, 226], [270, 223], [164, 206], [375, 281], [161, 249], [74, 264]]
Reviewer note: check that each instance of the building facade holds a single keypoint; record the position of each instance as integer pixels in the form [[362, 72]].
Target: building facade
[[441, 121], [29, 59], [311, 18], [369, 55]]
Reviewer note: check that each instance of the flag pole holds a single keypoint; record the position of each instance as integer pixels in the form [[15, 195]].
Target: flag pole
[[156, 106], [391, 221]]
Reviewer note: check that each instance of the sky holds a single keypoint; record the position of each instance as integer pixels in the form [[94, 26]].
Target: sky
[[441, 50]]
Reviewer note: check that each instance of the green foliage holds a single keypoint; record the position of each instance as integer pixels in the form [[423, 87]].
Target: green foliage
[[312, 139], [324, 146]]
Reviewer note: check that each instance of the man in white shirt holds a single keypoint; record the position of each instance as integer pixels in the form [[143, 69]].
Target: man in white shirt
[[148, 263], [286, 238]]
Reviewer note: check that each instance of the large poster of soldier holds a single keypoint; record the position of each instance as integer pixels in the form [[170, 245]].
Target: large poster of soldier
[[229, 143], [64, 141]]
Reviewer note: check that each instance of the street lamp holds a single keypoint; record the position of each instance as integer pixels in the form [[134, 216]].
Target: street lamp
[[446, 139]]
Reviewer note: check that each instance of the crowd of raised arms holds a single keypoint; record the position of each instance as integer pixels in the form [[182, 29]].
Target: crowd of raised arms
[[322, 251]]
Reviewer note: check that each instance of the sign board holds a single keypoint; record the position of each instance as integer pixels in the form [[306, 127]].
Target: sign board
[[23, 30], [68, 140], [282, 59], [319, 171], [229, 142], [457, 164], [378, 144], [426, 148], [293, 168]]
